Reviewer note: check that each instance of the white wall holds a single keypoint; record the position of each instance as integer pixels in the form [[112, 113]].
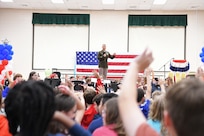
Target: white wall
[[110, 27], [56, 42], [195, 38], [165, 42], [16, 26]]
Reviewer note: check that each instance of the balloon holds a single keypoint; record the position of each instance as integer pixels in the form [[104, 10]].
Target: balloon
[[11, 52], [8, 57], [2, 82], [3, 72], [1, 57], [203, 49], [1, 77], [4, 62], [1, 67], [8, 67], [202, 59], [201, 54], [1, 47], [5, 52], [10, 72], [8, 47]]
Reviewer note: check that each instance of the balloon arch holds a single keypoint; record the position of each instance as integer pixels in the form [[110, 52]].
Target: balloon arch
[[6, 54]]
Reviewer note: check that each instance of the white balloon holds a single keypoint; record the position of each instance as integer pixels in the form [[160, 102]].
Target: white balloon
[[1, 77], [3, 72], [10, 62], [8, 67]]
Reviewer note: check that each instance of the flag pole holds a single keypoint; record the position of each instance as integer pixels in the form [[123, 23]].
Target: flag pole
[[75, 65], [75, 70]]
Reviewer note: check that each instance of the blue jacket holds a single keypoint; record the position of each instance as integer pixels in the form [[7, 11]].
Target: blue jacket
[[95, 124]]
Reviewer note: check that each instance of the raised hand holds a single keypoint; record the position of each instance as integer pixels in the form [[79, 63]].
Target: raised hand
[[144, 60], [148, 71], [101, 89]]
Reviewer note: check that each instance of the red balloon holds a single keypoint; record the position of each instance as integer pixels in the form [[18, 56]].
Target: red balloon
[[10, 72], [2, 82], [1, 68], [4, 62]]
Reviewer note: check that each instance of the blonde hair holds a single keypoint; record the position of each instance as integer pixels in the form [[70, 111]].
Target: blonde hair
[[155, 94], [157, 108]]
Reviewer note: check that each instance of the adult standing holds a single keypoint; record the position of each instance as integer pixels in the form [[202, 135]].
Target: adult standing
[[103, 56]]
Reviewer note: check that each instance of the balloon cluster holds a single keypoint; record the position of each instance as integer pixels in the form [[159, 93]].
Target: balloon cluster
[[6, 54], [202, 55]]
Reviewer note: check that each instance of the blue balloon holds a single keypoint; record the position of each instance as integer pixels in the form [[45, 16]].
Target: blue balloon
[[1, 57], [1, 47], [8, 47], [11, 53], [5, 52], [8, 57], [203, 49], [201, 54], [202, 59]]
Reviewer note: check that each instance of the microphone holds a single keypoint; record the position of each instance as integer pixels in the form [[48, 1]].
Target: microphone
[[105, 52]]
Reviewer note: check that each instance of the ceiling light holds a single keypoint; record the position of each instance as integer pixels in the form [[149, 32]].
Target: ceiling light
[[133, 7], [159, 2], [6, 0], [24, 5], [84, 6], [108, 1], [57, 1]]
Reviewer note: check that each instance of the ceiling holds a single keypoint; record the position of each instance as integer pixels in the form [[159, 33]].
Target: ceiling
[[143, 5]]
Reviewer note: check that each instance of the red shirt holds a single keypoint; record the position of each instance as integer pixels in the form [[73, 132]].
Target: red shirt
[[88, 116], [4, 127], [98, 83]]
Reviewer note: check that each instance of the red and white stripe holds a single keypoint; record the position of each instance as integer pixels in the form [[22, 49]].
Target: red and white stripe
[[117, 67]]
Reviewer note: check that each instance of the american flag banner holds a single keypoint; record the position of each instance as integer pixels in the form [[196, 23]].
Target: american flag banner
[[86, 62]]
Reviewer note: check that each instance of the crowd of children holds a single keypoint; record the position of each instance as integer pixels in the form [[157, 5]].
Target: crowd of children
[[142, 105]]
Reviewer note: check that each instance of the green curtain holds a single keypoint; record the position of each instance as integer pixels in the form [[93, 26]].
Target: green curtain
[[45, 18], [157, 20]]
